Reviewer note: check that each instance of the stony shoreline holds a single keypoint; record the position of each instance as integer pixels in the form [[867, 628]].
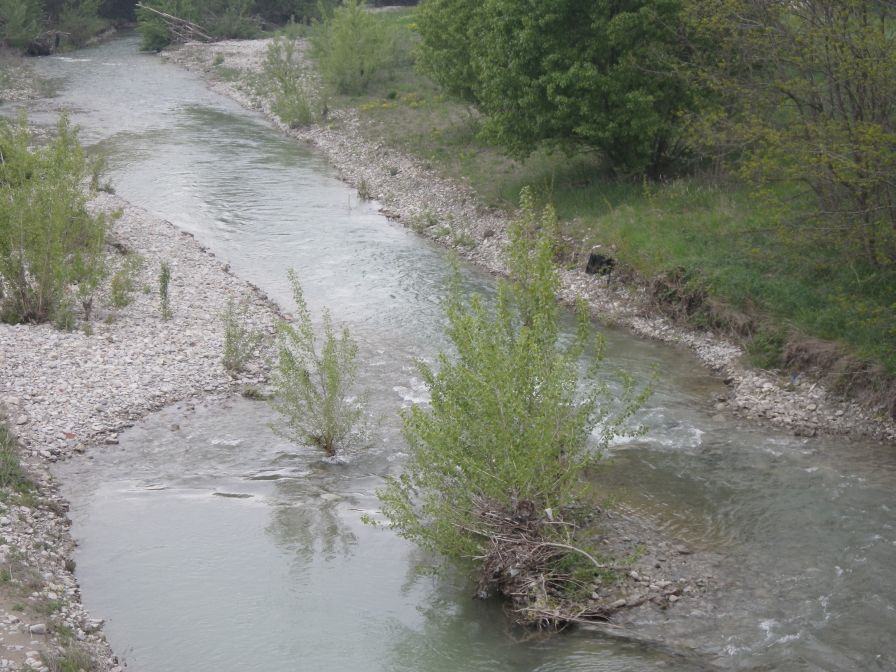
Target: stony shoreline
[[66, 391], [448, 212]]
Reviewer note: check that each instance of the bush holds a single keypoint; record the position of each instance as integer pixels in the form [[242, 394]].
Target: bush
[[239, 340], [81, 20], [313, 383], [49, 243], [353, 48], [123, 282], [217, 18], [164, 282], [296, 102], [20, 22], [12, 476], [511, 418]]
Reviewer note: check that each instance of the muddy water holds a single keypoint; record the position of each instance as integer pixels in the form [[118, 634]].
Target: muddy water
[[209, 544]]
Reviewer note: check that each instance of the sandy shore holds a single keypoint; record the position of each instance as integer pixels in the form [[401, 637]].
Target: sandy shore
[[448, 212]]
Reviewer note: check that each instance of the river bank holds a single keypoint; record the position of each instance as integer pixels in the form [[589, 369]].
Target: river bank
[[69, 392], [448, 212]]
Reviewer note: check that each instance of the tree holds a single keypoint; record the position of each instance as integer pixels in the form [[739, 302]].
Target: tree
[[448, 30], [807, 96], [567, 73], [509, 430]]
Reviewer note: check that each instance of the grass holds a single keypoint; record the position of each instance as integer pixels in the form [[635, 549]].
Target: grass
[[13, 478], [743, 269]]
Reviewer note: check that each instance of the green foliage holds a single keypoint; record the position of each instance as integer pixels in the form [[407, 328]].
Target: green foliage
[[313, 382], [20, 22], [294, 11], [806, 95], [49, 242], [123, 281], [81, 20], [12, 476], [217, 18], [240, 341], [353, 48], [296, 102], [448, 31], [512, 414], [164, 282], [568, 73]]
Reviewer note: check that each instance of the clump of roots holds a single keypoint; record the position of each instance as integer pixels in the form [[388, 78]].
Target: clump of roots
[[531, 558]]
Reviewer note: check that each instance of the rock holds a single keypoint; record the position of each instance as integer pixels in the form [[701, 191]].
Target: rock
[[22, 420], [618, 604]]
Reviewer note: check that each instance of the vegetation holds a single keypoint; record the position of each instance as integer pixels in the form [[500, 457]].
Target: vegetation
[[353, 48], [313, 382], [501, 453], [566, 72], [728, 232], [124, 280], [216, 18], [820, 114], [20, 21], [49, 242], [12, 475], [296, 101], [164, 282], [240, 341]]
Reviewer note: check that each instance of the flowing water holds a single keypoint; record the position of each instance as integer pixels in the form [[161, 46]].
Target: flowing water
[[209, 544]]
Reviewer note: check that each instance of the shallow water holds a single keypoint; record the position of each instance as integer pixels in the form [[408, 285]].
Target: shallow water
[[287, 577]]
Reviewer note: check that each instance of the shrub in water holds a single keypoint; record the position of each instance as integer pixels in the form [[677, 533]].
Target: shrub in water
[[509, 430], [313, 381]]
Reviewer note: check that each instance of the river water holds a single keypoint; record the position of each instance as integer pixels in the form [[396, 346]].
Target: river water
[[207, 543]]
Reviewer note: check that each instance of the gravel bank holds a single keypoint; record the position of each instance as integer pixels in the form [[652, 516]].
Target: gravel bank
[[65, 392], [448, 212]]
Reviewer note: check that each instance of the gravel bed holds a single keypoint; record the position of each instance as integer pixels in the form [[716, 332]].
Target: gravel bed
[[64, 392], [448, 211]]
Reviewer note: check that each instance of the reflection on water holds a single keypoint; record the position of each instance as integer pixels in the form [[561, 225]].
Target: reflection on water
[[289, 578]]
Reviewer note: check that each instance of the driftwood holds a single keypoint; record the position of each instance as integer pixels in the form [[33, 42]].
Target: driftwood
[[180, 30], [521, 561]]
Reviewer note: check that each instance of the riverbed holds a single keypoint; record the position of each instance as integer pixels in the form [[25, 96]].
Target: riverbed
[[207, 543]]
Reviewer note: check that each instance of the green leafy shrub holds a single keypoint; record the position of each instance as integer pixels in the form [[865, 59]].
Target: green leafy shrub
[[49, 242], [296, 102], [12, 476], [123, 281], [20, 22], [313, 382], [164, 282], [217, 19], [240, 341], [353, 48], [510, 425], [81, 20]]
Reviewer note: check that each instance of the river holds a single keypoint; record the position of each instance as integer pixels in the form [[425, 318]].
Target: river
[[207, 543]]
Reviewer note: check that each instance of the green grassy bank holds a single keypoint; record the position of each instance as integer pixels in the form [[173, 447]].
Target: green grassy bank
[[712, 251]]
